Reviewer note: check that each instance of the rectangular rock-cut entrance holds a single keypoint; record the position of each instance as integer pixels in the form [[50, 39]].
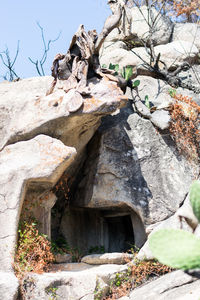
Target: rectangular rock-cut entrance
[[88, 229]]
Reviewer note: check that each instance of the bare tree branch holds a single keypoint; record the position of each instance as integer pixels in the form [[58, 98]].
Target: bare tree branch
[[9, 64], [39, 64]]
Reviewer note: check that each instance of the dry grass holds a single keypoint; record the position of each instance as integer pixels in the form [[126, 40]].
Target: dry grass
[[185, 126], [33, 252], [137, 275], [62, 187]]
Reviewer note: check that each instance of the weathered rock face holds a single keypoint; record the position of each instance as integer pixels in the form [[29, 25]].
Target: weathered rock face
[[135, 28], [29, 115], [34, 129], [173, 54], [176, 285], [36, 163], [133, 172], [188, 222], [191, 33], [8, 286], [125, 179], [68, 285], [136, 167]]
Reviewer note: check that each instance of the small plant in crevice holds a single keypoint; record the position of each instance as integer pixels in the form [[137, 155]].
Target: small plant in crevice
[[126, 73], [120, 285], [33, 253], [98, 292], [172, 92], [76, 254], [147, 103], [185, 126], [52, 292], [28, 283], [175, 247]]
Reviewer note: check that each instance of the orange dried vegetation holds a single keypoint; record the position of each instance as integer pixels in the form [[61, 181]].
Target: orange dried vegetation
[[137, 275], [185, 126], [189, 8], [33, 253], [62, 187], [142, 271]]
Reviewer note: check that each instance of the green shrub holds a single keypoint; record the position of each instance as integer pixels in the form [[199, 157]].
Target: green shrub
[[126, 72]]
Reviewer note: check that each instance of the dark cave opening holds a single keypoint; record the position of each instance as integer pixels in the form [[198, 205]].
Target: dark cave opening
[[86, 229], [120, 233]]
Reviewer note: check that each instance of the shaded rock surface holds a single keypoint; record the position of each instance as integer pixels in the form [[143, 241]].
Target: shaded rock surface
[[95, 230], [137, 167], [33, 130]]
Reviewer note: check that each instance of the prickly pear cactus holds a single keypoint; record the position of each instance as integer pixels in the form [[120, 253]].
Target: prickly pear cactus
[[195, 198], [176, 248]]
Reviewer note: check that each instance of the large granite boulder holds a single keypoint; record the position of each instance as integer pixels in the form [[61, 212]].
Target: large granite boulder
[[183, 218], [135, 168], [136, 26], [37, 133], [107, 258], [85, 283], [38, 162], [25, 111], [176, 285], [173, 54], [9, 286], [191, 33], [132, 179]]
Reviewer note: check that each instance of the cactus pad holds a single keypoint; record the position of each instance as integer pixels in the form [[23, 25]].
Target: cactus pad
[[195, 198], [176, 248]]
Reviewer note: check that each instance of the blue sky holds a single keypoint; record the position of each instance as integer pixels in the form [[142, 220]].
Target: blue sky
[[18, 22]]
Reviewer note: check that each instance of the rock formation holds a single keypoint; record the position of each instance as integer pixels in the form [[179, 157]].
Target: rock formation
[[95, 166]]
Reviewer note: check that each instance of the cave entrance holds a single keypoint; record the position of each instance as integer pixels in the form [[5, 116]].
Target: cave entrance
[[120, 235], [107, 231]]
